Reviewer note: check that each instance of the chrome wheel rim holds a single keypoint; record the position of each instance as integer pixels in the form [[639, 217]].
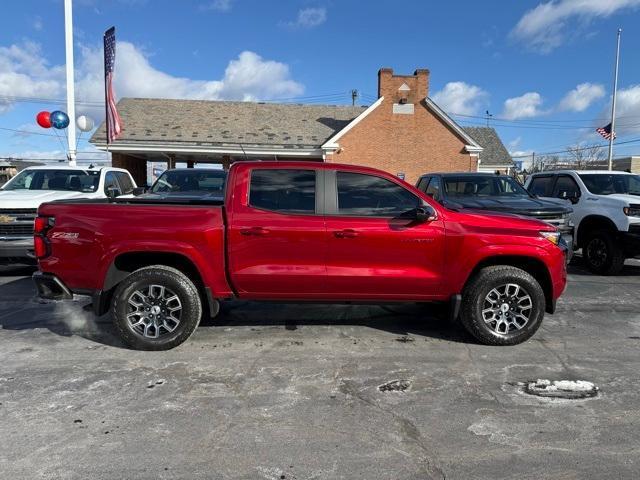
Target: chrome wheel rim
[[507, 308], [597, 252], [153, 311]]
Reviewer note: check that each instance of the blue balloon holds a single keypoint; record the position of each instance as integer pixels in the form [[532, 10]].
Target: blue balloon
[[59, 120]]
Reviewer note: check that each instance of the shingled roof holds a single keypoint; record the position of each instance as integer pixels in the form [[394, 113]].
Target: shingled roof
[[217, 123], [494, 154]]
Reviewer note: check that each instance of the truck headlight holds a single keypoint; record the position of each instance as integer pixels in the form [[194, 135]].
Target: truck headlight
[[553, 237], [632, 211]]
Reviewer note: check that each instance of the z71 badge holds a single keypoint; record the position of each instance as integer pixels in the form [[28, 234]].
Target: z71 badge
[[65, 235]]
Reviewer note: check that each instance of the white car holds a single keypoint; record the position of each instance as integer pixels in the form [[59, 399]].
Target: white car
[[606, 213], [21, 196]]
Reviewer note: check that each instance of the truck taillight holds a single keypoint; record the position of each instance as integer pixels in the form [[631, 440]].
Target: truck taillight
[[40, 246], [42, 225]]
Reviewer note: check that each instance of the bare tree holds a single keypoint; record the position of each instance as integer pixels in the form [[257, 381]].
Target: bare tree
[[546, 162], [583, 157]]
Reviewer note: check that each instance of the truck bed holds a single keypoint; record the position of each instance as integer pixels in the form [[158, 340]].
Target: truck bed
[[89, 234]]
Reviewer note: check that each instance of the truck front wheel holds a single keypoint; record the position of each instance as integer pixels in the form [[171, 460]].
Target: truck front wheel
[[602, 253], [156, 308], [502, 305]]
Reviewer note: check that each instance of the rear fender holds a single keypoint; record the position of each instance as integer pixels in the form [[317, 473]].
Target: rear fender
[[211, 270]]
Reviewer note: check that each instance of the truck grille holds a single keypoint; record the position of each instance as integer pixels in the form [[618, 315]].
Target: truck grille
[[24, 229], [20, 214], [18, 211], [561, 222]]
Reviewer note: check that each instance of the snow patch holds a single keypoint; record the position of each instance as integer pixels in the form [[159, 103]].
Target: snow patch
[[571, 389]]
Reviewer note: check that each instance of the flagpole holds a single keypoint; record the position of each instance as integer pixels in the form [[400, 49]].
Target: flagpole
[[613, 103], [71, 106], [106, 95]]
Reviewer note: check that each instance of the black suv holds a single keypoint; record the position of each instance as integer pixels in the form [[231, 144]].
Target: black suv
[[496, 193]]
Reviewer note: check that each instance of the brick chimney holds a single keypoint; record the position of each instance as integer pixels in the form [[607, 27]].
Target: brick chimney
[[400, 89]]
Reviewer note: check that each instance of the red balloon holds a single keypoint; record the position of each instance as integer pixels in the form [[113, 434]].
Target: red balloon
[[44, 119]]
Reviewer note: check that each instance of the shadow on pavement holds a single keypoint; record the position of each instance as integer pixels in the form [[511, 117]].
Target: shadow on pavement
[[577, 267], [21, 309], [17, 270], [426, 320]]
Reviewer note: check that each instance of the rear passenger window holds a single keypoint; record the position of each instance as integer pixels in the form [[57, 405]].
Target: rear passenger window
[[286, 191], [540, 186], [368, 195]]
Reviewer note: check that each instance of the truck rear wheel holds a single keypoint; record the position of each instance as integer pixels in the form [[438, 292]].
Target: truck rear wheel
[[502, 305], [156, 308], [602, 254]]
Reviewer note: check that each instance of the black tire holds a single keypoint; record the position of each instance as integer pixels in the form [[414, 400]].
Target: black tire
[[179, 286], [474, 301], [602, 254]]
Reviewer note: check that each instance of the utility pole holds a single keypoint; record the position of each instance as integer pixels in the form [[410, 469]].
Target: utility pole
[[71, 106], [613, 103], [354, 97]]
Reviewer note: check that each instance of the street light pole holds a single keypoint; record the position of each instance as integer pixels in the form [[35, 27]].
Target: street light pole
[[613, 103], [71, 107]]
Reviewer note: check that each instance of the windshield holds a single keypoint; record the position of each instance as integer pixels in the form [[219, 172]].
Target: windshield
[[607, 183], [483, 186], [180, 181], [59, 180]]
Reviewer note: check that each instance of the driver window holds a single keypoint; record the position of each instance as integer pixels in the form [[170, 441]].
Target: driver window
[[433, 189], [368, 195], [110, 181], [566, 187]]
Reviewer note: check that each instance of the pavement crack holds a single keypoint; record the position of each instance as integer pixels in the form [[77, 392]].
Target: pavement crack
[[409, 431]]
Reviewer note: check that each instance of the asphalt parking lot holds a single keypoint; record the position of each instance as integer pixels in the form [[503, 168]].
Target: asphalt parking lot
[[292, 392]]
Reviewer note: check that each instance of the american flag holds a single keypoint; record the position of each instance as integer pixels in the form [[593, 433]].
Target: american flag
[[114, 123], [606, 132]]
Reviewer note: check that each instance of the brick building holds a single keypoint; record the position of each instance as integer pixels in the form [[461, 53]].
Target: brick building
[[404, 132]]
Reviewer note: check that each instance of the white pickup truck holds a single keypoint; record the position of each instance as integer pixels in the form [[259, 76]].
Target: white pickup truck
[[606, 213], [21, 196]]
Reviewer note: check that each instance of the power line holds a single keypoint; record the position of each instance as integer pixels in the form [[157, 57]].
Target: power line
[[635, 140], [28, 132]]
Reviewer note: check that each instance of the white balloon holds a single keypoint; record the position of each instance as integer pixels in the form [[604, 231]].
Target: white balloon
[[84, 123]]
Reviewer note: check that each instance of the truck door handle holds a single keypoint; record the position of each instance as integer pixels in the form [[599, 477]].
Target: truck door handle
[[257, 231], [348, 233]]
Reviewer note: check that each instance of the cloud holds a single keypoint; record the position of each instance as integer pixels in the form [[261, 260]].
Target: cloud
[[461, 98], [627, 110], [25, 73], [581, 97], [544, 27], [309, 18], [218, 5], [525, 106], [37, 23], [515, 143]]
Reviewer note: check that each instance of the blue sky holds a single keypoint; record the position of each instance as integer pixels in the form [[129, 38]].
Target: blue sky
[[543, 69]]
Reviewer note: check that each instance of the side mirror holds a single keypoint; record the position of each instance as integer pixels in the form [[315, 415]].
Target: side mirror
[[113, 192], [425, 214], [139, 191]]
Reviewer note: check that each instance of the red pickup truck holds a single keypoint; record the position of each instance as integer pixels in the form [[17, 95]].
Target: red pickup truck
[[297, 231]]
